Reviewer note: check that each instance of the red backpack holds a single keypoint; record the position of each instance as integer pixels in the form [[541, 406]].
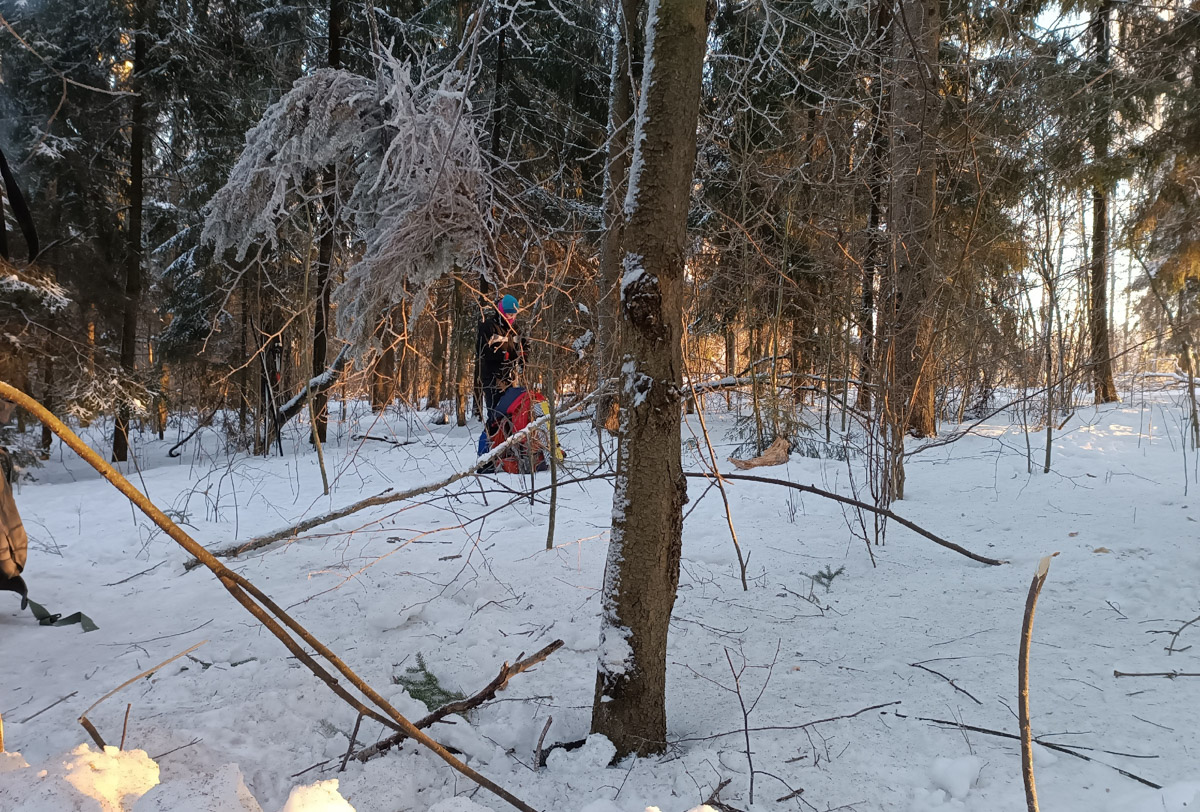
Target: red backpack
[[515, 410]]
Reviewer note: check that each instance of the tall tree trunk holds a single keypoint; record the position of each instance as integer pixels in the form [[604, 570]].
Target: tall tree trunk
[[915, 115], [383, 368], [320, 346], [873, 261], [464, 350], [1104, 386], [133, 236], [642, 572], [48, 400], [437, 357], [616, 171]]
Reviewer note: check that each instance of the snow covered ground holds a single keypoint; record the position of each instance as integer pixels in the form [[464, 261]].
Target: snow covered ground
[[236, 724]]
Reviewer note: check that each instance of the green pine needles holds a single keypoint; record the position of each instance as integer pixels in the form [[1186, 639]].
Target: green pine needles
[[421, 684]]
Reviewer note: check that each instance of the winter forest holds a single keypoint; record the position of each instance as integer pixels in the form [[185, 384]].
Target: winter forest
[[599, 405]]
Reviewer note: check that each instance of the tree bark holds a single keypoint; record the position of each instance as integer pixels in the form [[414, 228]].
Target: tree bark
[[464, 350], [383, 369], [133, 235], [873, 260], [616, 172], [1104, 386], [437, 357], [915, 113], [320, 347], [642, 572]]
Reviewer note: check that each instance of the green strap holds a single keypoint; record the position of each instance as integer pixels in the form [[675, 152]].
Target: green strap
[[44, 618]]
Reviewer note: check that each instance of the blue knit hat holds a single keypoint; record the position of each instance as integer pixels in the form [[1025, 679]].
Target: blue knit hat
[[509, 304]]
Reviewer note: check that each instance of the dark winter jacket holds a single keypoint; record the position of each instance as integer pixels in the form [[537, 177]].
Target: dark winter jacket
[[501, 350]]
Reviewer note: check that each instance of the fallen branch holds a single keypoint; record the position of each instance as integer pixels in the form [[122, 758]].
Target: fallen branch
[[949, 545], [389, 440], [804, 726], [1167, 674], [315, 386], [383, 498], [461, 706], [269, 613], [174, 451], [1059, 748], [87, 724]]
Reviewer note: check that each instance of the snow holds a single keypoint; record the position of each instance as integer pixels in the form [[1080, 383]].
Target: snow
[[470, 586], [615, 653], [639, 127], [956, 776]]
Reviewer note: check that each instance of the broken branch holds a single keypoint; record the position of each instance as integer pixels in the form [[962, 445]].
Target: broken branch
[[1035, 589], [461, 706]]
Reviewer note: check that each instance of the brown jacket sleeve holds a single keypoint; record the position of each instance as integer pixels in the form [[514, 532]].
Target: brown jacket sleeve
[[14, 543]]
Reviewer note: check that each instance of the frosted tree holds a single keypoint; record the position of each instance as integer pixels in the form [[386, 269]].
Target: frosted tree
[[403, 154]]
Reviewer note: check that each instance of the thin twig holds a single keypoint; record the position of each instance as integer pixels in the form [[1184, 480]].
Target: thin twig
[[125, 726], [89, 727], [1059, 748], [949, 545], [350, 748], [48, 707], [737, 547], [947, 679], [177, 749], [1167, 674], [136, 574], [537, 753]]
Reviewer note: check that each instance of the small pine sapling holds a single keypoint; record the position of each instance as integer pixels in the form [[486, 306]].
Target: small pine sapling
[[825, 577]]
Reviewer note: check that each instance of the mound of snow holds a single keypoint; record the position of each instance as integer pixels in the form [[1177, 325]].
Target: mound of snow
[[956, 775], [322, 796], [80, 781]]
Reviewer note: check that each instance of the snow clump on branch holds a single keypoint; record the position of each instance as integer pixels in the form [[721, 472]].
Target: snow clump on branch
[[409, 176]]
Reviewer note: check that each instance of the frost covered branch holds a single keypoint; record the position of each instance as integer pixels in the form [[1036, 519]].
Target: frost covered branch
[[409, 175]]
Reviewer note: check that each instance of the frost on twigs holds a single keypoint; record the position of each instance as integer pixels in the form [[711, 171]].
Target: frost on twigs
[[321, 122], [409, 175]]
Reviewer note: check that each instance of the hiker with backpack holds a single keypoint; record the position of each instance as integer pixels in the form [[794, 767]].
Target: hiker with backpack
[[501, 350]]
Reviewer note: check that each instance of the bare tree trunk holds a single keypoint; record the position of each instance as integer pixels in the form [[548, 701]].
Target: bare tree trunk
[[464, 349], [1104, 386], [320, 347], [437, 357], [915, 115], [642, 572], [133, 235], [244, 360], [620, 124], [383, 369], [873, 262], [48, 400]]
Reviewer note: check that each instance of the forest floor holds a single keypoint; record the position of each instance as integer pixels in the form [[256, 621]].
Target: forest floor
[[419, 582]]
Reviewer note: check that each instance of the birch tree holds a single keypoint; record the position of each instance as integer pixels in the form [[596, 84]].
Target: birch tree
[[642, 571]]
